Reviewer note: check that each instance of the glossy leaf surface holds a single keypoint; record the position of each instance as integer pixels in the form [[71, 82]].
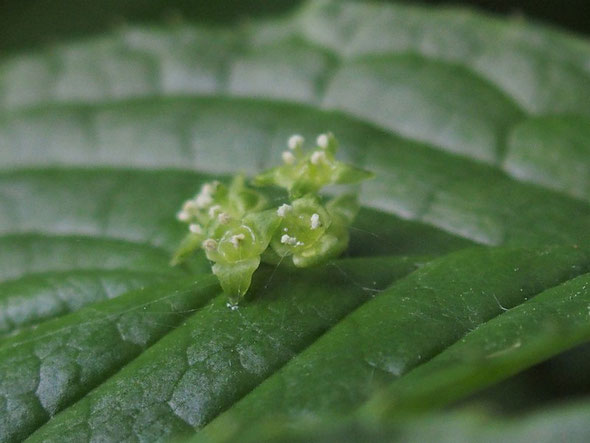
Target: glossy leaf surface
[[477, 130]]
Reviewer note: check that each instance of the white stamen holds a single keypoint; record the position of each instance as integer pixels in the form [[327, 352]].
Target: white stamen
[[318, 157], [288, 158], [224, 218], [189, 205], [183, 216], [195, 228], [315, 221], [288, 240], [295, 141], [203, 200], [283, 209], [323, 141], [210, 244], [213, 210], [209, 188], [236, 239]]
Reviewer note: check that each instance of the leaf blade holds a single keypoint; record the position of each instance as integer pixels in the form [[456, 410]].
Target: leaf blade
[[51, 366], [409, 323], [219, 354], [550, 323]]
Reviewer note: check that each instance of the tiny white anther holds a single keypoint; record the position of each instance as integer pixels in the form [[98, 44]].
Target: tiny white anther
[[323, 141], [210, 244], [288, 240], [224, 218], [203, 200], [236, 239], [209, 188], [315, 221], [232, 306], [213, 210], [295, 141], [189, 205], [318, 157], [183, 216], [288, 158], [284, 209], [195, 228]]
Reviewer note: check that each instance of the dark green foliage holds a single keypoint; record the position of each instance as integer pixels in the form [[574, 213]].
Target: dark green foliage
[[468, 262]]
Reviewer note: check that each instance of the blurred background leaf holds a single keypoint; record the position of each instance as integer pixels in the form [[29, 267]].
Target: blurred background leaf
[[26, 23]]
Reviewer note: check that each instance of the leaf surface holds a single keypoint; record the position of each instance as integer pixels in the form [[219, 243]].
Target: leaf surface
[[51, 366], [219, 354], [414, 320], [552, 322], [477, 129]]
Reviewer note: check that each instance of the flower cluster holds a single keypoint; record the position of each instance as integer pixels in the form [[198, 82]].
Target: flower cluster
[[307, 172], [238, 228]]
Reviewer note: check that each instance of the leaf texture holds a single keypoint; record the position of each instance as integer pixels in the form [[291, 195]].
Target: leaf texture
[[219, 354], [518, 338], [406, 325], [477, 129]]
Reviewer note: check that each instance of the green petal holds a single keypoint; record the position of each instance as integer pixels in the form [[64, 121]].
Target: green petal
[[346, 174], [235, 278], [189, 244], [281, 176], [264, 224], [243, 199], [344, 208], [330, 245]]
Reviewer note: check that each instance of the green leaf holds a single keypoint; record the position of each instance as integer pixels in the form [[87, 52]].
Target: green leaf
[[47, 368], [552, 322], [219, 354], [476, 129], [40, 296], [23, 28], [404, 326]]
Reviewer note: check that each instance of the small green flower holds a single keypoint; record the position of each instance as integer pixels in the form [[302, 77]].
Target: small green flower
[[312, 233], [304, 173], [237, 229], [213, 211], [303, 223], [237, 253]]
